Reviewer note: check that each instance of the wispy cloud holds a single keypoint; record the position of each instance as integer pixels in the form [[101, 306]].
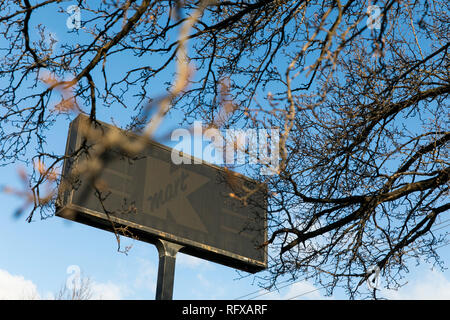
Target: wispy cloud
[[146, 276], [106, 291], [206, 288], [431, 285], [193, 262], [303, 290]]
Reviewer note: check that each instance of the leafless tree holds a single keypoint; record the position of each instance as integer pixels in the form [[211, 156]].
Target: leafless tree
[[81, 289], [360, 97]]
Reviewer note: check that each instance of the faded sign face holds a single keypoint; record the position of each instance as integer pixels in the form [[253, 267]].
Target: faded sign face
[[171, 194], [187, 203]]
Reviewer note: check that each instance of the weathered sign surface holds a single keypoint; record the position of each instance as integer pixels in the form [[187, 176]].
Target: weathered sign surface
[[188, 204]]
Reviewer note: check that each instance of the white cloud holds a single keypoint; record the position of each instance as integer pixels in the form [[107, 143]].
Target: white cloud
[[303, 290], [203, 281], [146, 276], [299, 290], [432, 285], [13, 287], [16, 287], [265, 295], [192, 262], [106, 291], [206, 288]]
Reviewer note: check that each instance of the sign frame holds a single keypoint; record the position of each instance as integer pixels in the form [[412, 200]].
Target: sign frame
[[66, 208]]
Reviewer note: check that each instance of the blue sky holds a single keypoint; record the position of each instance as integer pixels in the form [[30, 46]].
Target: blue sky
[[35, 256]]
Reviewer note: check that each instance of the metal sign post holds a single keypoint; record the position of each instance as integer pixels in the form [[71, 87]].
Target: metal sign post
[[187, 206], [166, 269]]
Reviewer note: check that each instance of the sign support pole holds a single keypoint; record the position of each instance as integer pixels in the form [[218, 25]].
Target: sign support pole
[[166, 270]]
